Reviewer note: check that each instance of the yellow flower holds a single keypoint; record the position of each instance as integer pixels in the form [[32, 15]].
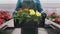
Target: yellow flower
[[38, 13], [32, 12]]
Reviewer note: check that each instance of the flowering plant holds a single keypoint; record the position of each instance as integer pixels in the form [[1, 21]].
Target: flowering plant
[[27, 15], [4, 16], [54, 17]]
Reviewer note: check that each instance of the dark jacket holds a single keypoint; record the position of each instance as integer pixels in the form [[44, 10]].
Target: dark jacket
[[37, 2]]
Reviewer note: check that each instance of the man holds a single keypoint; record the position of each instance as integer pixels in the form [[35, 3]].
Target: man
[[37, 2]]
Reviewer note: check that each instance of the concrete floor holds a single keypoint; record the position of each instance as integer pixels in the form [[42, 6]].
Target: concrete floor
[[40, 31]]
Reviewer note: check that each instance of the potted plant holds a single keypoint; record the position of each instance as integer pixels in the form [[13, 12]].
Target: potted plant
[[28, 19], [57, 20], [4, 16], [53, 17], [26, 15]]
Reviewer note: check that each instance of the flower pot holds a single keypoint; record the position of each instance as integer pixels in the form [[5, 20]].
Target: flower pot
[[29, 31], [29, 28], [42, 21], [17, 24]]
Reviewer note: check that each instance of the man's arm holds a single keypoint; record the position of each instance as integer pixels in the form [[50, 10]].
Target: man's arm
[[39, 8], [18, 4]]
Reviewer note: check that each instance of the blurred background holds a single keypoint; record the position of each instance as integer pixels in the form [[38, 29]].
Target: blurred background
[[47, 5]]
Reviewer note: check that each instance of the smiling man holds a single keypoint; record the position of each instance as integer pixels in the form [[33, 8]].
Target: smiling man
[[29, 3]]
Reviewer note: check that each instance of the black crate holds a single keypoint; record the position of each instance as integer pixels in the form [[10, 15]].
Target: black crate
[[29, 28]]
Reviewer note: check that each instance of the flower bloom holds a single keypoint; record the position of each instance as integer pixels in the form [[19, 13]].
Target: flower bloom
[[38, 13], [32, 12], [26, 9], [19, 10]]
